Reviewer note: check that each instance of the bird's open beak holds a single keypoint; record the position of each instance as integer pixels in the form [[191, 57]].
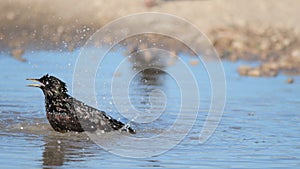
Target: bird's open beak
[[35, 85]]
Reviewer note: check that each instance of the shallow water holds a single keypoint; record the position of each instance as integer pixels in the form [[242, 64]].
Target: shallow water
[[260, 127]]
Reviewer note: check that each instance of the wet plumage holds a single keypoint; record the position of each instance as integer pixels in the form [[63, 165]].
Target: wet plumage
[[66, 113]]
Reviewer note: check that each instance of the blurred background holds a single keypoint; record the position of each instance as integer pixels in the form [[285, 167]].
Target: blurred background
[[258, 42], [250, 30]]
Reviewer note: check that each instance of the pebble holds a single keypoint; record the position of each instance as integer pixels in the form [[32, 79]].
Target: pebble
[[254, 73], [194, 62], [150, 3], [17, 54], [260, 71], [10, 16], [290, 80], [243, 70], [277, 49]]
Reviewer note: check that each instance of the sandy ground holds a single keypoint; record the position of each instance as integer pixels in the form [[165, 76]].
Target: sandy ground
[[235, 27]]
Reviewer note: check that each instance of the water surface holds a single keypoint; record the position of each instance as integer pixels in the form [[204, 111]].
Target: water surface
[[260, 127]]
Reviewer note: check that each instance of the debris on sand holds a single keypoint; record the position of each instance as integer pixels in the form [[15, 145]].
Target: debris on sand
[[275, 48], [290, 80], [17, 54]]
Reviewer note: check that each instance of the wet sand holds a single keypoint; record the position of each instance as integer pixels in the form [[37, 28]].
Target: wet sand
[[259, 30]]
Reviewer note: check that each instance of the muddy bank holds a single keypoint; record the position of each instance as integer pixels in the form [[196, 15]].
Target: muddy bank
[[276, 49], [260, 30]]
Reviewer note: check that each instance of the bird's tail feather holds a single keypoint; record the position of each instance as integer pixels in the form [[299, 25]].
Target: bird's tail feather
[[117, 125]]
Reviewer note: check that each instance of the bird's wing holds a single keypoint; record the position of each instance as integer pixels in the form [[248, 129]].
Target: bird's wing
[[92, 119]]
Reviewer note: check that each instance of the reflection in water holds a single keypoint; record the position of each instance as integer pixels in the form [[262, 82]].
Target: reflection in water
[[147, 82], [149, 64], [152, 77], [148, 94], [54, 153], [153, 163], [151, 89], [60, 148]]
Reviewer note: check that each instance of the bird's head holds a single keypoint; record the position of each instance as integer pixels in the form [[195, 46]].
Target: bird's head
[[50, 85]]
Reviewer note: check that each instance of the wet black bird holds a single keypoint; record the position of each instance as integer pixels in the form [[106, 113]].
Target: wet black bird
[[66, 113]]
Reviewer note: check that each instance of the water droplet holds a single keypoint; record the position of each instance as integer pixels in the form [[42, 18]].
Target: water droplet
[[21, 128]]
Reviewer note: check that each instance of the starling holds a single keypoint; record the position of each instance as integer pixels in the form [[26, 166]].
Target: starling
[[65, 113]]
